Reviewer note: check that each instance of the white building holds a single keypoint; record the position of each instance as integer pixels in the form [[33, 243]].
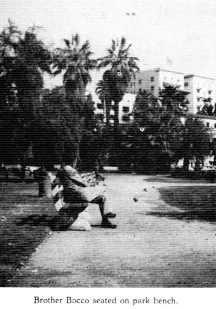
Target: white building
[[154, 80], [125, 109], [199, 88]]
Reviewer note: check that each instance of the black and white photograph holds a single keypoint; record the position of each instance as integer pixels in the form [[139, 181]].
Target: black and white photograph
[[108, 151]]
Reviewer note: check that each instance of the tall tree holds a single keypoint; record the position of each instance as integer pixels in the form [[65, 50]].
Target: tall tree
[[195, 141], [9, 41], [163, 129], [121, 67], [33, 59], [160, 125], [23, 59], [76, 62]]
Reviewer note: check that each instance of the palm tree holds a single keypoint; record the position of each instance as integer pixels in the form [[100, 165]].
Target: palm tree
[[121, 67], [33, 59], [75, 62], [196, 141], [102, 90]]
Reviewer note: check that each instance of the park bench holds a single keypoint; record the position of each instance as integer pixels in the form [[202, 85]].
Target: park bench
[[66, 210], [11, 169]]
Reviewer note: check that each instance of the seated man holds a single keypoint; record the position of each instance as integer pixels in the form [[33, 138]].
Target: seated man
[[77, 191]]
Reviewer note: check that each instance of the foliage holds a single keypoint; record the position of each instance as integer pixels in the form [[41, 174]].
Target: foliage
[[93, 141], [160, 135], [160, 118], [23, 59], [195, 141], [76, 62]]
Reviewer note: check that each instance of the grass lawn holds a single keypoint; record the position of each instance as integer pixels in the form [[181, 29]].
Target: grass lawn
[[25, 220], [194, 202]]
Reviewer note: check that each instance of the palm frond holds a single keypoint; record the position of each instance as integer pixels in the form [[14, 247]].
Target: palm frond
[[67, 42], [123, 42], [113, 47], [104, 63], [76, 39]]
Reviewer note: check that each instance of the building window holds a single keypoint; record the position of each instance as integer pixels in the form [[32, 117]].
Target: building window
[[215, 125], [152, 79], [198, 89], [210, 91], [125, 118], [152, 88], [164, 85], [207, 124], [140, 81], [125, 109], [186, 84]]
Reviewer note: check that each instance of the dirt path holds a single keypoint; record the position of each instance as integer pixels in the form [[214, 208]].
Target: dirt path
[[144, 251]]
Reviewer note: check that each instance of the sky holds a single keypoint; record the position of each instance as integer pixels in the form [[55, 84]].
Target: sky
[[173, 34]]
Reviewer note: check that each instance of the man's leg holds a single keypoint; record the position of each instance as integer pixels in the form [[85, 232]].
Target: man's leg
[[105, 211]]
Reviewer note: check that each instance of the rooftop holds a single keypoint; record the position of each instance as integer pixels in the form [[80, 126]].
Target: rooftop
[[159, 69], [201, 116], [193, 75]]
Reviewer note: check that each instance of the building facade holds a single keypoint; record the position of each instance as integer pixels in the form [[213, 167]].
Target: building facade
[[202, 90], [154, 80], [201, 93]]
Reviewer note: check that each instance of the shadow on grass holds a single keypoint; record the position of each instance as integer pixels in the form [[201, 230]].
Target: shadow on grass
[[207, 215], [17, 180], [11, 180], [53, 222]]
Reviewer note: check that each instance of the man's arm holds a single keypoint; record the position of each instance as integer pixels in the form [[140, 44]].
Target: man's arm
[[75, 177]]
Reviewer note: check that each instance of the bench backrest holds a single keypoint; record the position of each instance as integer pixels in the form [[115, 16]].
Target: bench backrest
[[57, 187]]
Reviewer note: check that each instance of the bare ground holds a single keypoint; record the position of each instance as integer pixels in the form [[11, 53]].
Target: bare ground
[[145, 250]]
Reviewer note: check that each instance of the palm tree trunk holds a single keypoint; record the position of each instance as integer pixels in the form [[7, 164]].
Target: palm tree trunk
[[75, 97], [186, 163], [116, 119], [116, 132], [107, 107]]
